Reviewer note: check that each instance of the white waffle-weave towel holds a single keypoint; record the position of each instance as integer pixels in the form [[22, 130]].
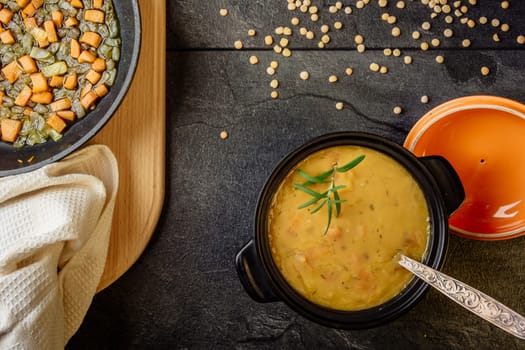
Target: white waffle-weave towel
[[55, 224]]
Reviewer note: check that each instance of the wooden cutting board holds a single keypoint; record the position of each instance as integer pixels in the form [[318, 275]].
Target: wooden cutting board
[[136, 135]]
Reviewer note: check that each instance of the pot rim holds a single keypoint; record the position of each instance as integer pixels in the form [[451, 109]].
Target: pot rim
[[434, 255]]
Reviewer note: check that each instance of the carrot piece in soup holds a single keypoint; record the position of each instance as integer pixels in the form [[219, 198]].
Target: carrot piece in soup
[[10, 129], [24, 96], [56, 123]]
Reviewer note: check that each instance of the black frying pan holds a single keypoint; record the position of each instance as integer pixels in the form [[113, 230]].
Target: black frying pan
[[83, 130]]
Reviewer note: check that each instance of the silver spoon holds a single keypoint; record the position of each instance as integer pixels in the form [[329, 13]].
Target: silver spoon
[[468, 297]]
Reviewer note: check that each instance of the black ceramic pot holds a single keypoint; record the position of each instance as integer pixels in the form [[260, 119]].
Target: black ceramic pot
[[262, 279]]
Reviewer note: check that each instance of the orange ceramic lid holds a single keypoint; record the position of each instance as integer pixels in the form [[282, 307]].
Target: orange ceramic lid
[[483, 137]]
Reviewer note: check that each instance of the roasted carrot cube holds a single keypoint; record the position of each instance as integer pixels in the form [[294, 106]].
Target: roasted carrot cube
[[28, 64], [88, 100], [10, 129], [51, 32], [70, 81], [101, 90], [60, 105], [77, 4], [95, 16], [12, 71], [75, 48], [7, 37], [71, 22], [68, 115], [93, 77], [56, 122], [24, 96], [29, 10], [98, 4], [99, 65], [6, 15], [57, 17], [56, 81], [91, 38], [44, 98], [39, 82], [86, 56]]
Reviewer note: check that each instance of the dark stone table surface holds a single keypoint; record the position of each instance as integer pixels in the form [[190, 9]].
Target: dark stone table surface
[[184, 293]]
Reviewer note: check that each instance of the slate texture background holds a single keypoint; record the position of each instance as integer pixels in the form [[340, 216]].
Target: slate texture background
[[183, 293]]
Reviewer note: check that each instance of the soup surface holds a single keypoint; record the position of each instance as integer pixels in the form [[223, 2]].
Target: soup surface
[[353, 266]]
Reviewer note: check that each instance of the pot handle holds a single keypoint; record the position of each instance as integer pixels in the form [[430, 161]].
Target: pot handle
[[448, 181], [252, 275]]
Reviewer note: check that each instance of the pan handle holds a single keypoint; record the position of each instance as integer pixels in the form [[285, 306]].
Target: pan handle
[[448, 181], [252, 275]]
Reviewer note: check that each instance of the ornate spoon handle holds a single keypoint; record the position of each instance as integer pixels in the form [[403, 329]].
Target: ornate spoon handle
[[468, 297]]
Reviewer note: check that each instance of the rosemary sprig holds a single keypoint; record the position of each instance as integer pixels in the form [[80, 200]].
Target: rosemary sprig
[[331, 196]]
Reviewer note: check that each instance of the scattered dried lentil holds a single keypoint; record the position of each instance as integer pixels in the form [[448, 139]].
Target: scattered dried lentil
[[268, 40], [424, 99], [325, 28], [339, 106], [440, 59], [338, 25], [294, 21], [270, 71], [485, 70], [254, 60], [383, 70], [274, 94], [396, 32], [223, 12], [396, 52], [416, 35], [520, 39], [237, 44], [361, 48], [349, 71], [251, 32], [407, 59], [224, 135], [465, 43], [332, 78], [374, 67], [387, 52], [397, 110], [505, 5], [358, 39], [483, 20], [304, 75], [504, 27], [287, 52], [274, 64], [274, 83]]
